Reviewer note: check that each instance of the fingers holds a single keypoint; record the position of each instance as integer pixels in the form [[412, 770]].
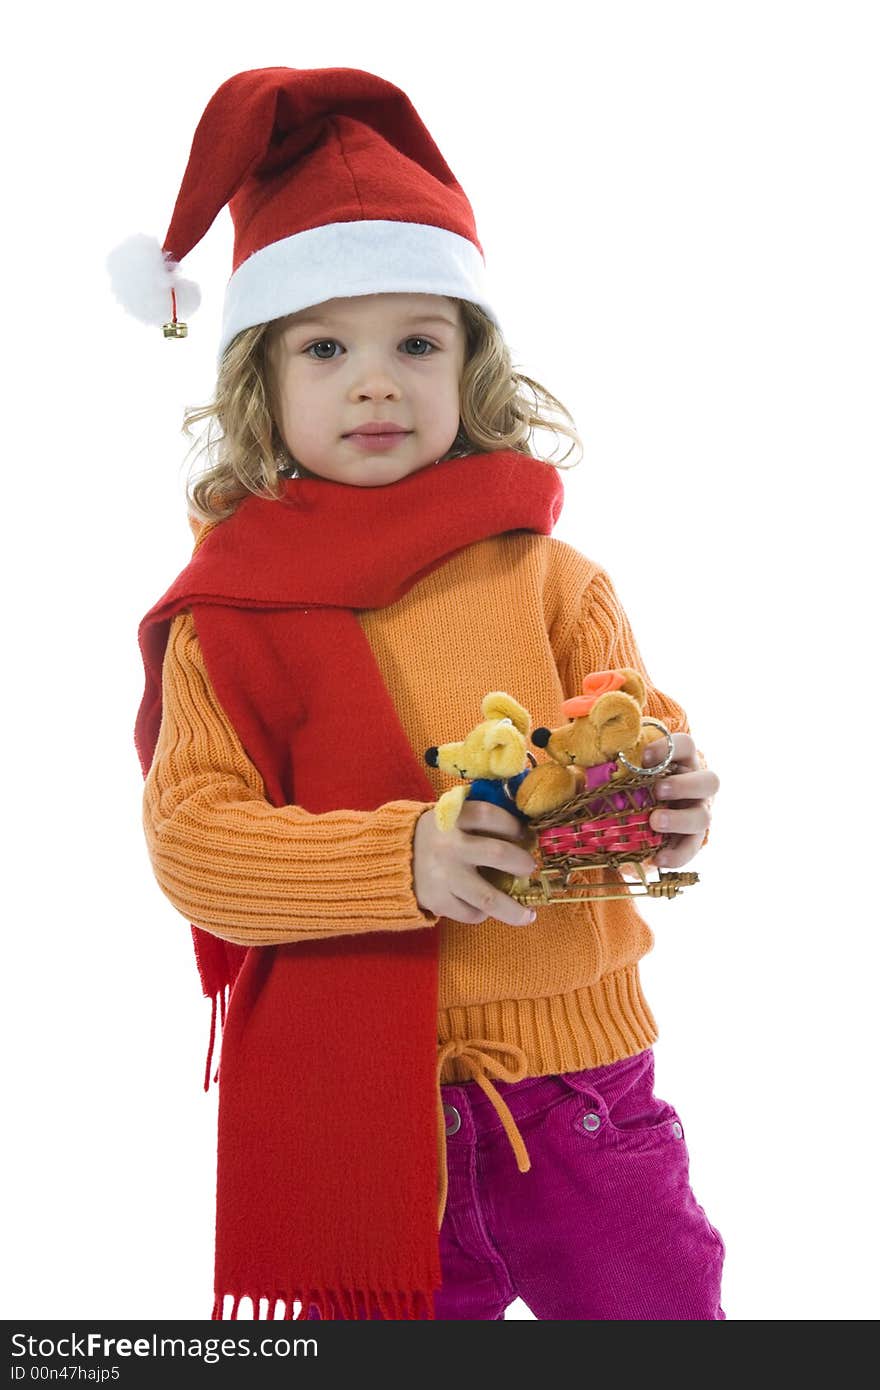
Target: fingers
[[475, 892], [497, 854], [489, 837], [684, 749], [483, 818], [446, 864], [679, 850], [460, 911], [691, 820], [487, 849], [690, 785]]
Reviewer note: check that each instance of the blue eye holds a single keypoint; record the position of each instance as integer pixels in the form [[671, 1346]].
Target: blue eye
[[322, 343], [326, 342]]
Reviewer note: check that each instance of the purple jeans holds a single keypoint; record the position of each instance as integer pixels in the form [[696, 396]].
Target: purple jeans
[[603, 1226]]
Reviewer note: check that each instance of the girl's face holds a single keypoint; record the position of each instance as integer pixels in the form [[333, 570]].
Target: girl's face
[[345, 363]]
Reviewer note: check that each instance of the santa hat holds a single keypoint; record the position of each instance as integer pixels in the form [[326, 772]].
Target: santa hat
[[335, 188]]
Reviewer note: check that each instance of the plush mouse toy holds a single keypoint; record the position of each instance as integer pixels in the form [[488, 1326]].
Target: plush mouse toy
[[604, 722], [493, 758]]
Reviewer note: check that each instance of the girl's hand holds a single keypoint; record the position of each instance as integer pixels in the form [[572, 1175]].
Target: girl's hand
[[689, 794], [446, 880]]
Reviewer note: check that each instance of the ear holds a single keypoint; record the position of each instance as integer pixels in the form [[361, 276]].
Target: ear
[[633, 684], [499, 705], [504, 750], [616, 720]]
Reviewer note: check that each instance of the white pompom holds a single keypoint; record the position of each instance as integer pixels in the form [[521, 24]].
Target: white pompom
[[142, 277]]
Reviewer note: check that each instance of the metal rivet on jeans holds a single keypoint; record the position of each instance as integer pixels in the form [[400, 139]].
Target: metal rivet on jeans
[[453, 1119], [591, 1120], [677, 1130]]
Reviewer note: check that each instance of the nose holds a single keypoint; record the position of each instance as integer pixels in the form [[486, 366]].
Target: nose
[[541, 737], [431, 757], [380, 394], [374, 379]]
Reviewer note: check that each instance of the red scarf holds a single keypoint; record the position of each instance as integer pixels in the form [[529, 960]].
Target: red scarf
[[327, 1117]]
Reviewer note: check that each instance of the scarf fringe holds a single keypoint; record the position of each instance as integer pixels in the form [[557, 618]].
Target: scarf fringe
[[354, 1305], [222, 995]]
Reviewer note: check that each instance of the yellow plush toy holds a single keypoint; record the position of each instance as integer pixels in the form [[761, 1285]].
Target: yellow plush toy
[[493, 758]]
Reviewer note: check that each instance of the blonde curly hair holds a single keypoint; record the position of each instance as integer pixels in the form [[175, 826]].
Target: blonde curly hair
[[249, 455]]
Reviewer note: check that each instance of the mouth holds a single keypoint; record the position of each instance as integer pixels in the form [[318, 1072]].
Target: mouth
[[377, 439], [375, 430]]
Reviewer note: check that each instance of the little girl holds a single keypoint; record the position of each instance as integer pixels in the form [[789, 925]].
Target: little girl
[[431, 1100]]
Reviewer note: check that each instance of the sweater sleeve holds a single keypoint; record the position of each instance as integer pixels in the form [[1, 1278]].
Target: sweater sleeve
[[247, 871], [597, 636]]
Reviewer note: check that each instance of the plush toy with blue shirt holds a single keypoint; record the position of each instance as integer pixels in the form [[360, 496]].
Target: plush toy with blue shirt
[[493, 759]]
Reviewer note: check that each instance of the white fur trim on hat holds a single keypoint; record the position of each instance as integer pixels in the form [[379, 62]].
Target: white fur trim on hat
[[142, 277], [342, 259]]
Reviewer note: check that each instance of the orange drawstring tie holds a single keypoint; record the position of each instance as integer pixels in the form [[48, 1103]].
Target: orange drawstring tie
[[476, 1056]]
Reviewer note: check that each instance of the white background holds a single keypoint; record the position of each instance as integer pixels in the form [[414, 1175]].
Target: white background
[[679, 210]]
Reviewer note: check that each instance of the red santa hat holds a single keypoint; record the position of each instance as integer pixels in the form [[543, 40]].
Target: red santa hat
[[335, 188]]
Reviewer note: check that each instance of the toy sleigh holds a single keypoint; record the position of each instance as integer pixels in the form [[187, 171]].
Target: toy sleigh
[[578, 845], [588, 809]]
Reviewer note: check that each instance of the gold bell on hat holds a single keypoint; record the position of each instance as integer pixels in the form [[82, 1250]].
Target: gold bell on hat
[[174, 329]]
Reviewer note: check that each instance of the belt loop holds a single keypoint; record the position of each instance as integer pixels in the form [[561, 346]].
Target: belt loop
[[592, 1099]]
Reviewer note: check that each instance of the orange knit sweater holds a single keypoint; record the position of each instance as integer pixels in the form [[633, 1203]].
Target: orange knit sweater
[[522, 613]]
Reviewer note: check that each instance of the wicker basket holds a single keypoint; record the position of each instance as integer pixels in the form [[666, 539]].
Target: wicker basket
[[604, 826]]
